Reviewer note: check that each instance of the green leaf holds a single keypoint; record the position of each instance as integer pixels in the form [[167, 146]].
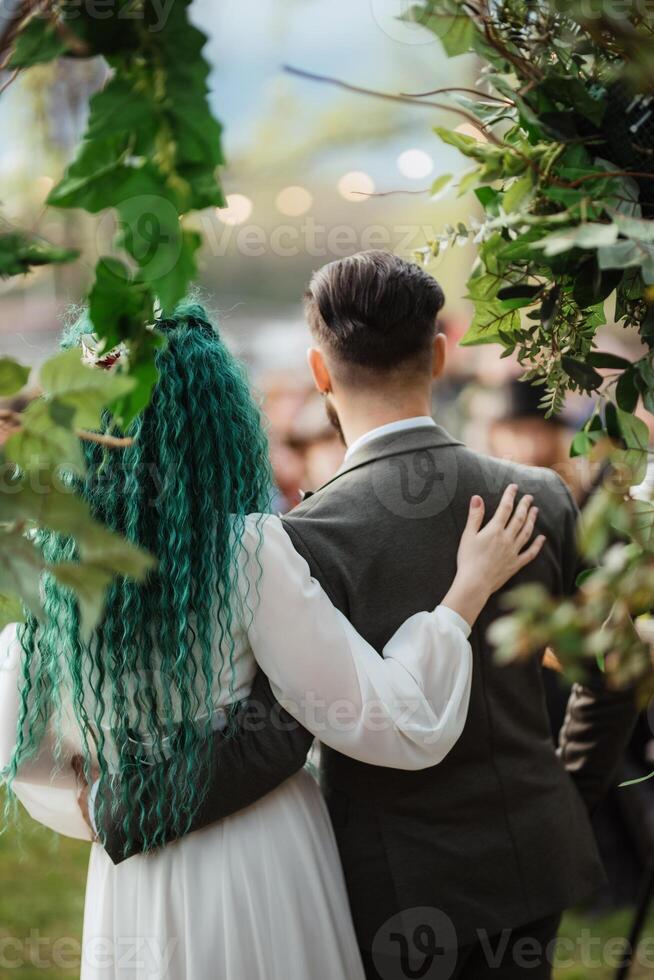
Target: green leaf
[[459, 140], [13, 377], [118, 307], [11, 609], [20, 570], [584, 375], [19, 252], [456, 31], [488, 198], [440, 184], [86, 390], [604, 359], [592, 285], [489, 323], [626, 392], [41, 444], [521, 189], [633, 430], [468, 181], [89, 583], [581, 444], [590, 235], [37, 43]]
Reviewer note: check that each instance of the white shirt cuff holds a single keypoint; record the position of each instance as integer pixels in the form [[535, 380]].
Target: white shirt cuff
[[456, 620]]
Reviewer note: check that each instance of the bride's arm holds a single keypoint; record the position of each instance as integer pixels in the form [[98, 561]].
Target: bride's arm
[[405, 709], [46, 788]]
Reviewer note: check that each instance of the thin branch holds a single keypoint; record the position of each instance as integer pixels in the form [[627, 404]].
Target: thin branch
[[423, 190], [12, 78], [112, 442], [14, 420], [456, 88], [612, 173], [387, 96]]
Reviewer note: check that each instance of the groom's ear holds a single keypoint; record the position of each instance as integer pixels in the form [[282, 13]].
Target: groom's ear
[[439, 356], [319, 370]]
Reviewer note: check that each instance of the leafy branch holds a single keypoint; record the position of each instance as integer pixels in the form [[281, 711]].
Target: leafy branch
[[150, 153]]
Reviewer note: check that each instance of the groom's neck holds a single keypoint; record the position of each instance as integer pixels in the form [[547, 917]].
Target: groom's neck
[[361, 412]]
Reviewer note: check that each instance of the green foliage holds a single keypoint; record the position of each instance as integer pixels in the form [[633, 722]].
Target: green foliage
[[13, 377], [562, 168], [150, 152], [20, 252]]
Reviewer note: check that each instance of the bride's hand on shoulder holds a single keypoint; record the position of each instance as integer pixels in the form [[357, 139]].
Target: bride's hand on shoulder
[[491, 555]]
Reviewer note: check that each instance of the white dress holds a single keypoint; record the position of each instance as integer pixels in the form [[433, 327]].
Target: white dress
[[261, 895]]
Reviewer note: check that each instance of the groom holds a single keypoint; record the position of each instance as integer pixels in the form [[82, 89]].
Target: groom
[[462, 870]]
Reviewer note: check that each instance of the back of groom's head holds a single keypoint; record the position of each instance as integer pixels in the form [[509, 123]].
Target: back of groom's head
[[374, 312]]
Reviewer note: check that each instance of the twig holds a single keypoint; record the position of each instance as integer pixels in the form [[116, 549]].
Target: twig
[[112, 442], [423, 190], [387, 96], [456, 88], [14, 75], [612, 173], [15, 420]]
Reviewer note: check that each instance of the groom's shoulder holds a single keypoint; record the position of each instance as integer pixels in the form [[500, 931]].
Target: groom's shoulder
[[494, 474]]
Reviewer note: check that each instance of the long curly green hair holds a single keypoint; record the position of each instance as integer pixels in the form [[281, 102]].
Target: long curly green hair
[[144, 688]]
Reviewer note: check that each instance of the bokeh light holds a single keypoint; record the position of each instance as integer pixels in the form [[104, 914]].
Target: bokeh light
[[354, 186], [294, 201], [415, 164], [238, 210]]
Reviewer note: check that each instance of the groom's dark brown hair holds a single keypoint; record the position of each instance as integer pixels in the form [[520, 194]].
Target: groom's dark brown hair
[[374, 310]]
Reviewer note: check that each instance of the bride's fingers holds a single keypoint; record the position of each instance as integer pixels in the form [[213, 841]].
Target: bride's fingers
[[475, 514], [525, 534], [532, 551], [505, 507], [520, 515]]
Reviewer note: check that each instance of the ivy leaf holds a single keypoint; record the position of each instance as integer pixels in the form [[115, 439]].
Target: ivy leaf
[[84, 389], [37, 43], [118, 307], [13, 377], [456, 31]]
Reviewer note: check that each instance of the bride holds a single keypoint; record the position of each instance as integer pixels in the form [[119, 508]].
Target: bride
[[259, 896]]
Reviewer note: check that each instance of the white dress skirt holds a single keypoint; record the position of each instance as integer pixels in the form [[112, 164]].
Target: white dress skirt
[[260, 895]]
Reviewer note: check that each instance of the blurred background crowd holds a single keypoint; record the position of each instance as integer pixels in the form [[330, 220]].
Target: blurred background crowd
[[314, 173]]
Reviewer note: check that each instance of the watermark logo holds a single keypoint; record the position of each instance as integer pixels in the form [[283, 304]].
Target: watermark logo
[[417, 944], [397, 21], [416, 485]]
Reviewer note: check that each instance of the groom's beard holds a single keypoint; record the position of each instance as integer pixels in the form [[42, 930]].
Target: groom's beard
[[332, 416]]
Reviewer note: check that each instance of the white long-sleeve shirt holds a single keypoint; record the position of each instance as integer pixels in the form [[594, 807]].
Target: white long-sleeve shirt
[[405, 709]]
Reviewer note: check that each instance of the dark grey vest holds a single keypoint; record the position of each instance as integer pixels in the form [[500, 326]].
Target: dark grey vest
[[496, 835]]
